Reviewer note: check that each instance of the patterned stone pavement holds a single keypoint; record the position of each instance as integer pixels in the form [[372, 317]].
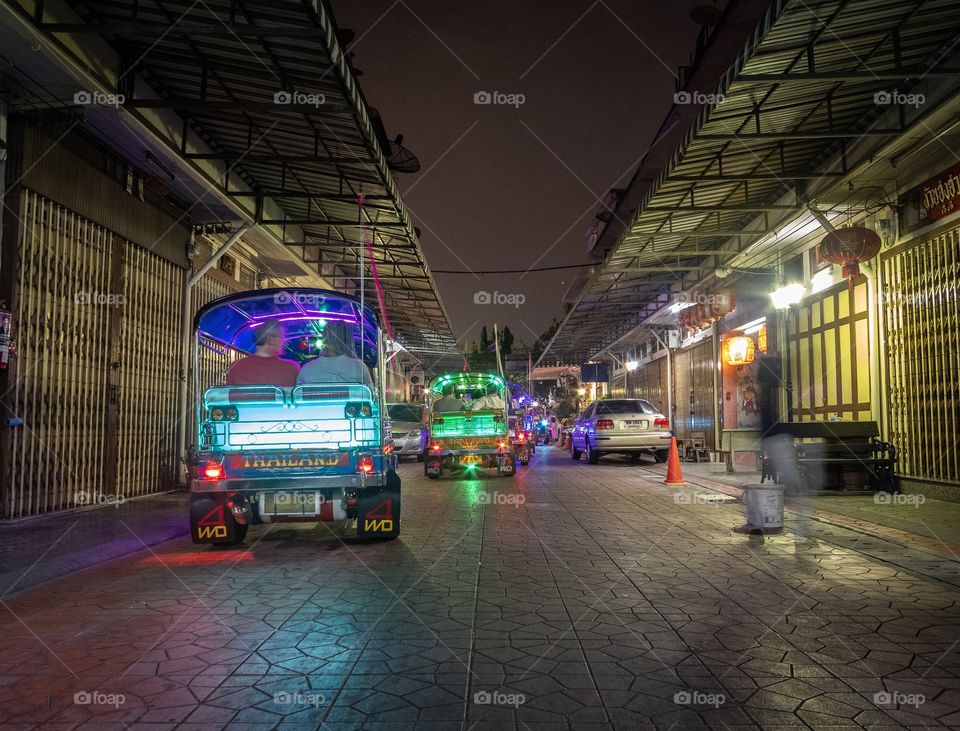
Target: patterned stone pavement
[[576, 596]]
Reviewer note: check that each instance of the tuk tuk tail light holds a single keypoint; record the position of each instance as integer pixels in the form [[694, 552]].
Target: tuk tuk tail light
[[502, 445], [232, 413], [350, 410], [365, 410], [216, 414], [604, 423], [435, 447], [365, 463], [212, 470]]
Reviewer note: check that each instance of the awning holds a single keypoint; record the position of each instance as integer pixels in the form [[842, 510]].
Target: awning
[[266, 96], [810, 96]]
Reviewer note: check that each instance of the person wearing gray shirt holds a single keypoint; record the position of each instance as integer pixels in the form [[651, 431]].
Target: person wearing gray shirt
[[339, 364]]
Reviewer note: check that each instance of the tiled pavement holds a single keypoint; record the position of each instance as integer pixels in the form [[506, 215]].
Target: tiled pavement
[[591, 593]]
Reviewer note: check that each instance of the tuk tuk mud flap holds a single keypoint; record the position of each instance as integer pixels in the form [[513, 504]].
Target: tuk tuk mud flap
[[211, 520], [378, 511]]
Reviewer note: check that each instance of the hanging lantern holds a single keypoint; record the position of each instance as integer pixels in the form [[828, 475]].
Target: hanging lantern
[[762, 338], [738, 350], [724, 303], [848, 246]]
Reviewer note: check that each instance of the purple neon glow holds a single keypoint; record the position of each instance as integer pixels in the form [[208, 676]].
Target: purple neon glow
[[324, 317]]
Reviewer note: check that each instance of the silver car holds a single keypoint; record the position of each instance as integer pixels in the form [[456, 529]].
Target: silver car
[[620, 426], [410, 433]]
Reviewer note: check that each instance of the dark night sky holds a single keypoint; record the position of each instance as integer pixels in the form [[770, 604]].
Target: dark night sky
[[500, 187]]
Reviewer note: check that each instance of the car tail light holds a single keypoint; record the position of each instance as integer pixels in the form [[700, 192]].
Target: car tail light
[[365, 463], [604, 423], [212, 470], [661, 423]]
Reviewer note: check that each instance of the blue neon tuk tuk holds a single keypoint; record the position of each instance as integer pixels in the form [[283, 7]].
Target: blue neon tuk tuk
[[315, 452]]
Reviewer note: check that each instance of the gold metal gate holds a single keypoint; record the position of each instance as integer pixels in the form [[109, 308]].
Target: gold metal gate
[[147, 374], [920, 316], [95, 374], [56, 459]]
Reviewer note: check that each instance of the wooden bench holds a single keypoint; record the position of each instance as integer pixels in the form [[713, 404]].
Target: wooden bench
[[829, 455]]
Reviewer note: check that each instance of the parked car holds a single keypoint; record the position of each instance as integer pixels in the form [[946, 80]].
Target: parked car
[[620, 426], [409, 428]]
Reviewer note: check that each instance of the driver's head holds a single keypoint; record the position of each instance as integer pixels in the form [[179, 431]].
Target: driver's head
[[338, 339], [448, 390], [269, 337], [492, 390]]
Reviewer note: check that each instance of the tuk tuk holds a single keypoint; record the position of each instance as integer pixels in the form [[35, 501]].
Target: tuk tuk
[[521, 435], [312, 452], [466, 432]]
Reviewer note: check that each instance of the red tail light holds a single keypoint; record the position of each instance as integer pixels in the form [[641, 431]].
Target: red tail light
[[661, 423], [212, 471], [435, 447], [604, 423], [502, 445], [365, 463]]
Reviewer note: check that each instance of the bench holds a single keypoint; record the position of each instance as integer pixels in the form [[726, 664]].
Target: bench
[[829, 455]]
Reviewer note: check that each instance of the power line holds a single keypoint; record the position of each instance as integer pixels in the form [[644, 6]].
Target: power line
[[511, 271]]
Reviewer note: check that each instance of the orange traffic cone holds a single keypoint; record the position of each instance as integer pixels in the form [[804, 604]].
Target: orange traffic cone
[[674, 475]]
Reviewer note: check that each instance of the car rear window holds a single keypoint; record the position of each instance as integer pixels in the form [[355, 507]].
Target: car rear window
[[623, 407], [404, 412]]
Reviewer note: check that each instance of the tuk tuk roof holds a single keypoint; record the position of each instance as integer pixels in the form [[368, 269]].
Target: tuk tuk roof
[[303, 312], [467, 379]]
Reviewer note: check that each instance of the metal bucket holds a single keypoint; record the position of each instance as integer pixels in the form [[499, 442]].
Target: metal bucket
[[764, 505]]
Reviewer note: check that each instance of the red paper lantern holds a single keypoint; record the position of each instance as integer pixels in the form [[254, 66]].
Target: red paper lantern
[[739, 350], [848, 246]]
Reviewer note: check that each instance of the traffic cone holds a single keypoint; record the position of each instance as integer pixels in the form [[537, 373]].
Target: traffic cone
[[674, 475]]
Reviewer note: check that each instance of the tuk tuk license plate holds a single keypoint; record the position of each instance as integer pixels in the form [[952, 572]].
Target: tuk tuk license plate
[[292, 502], [635, 424], [471, 459], [289, 460]]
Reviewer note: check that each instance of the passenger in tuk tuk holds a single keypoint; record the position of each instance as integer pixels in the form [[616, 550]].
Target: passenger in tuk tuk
[[265, 366], [491, 401], [340, 363], [448, 402]]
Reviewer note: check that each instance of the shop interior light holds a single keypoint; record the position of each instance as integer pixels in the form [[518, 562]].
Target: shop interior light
[[787, 295], [751, 327], [632, 365], [582, 391]]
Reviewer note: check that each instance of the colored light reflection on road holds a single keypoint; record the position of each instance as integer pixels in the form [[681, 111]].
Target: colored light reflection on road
[[200, 558]]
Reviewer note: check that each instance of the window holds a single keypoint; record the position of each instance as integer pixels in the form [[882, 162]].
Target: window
[[405, 412], [624, 407]]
